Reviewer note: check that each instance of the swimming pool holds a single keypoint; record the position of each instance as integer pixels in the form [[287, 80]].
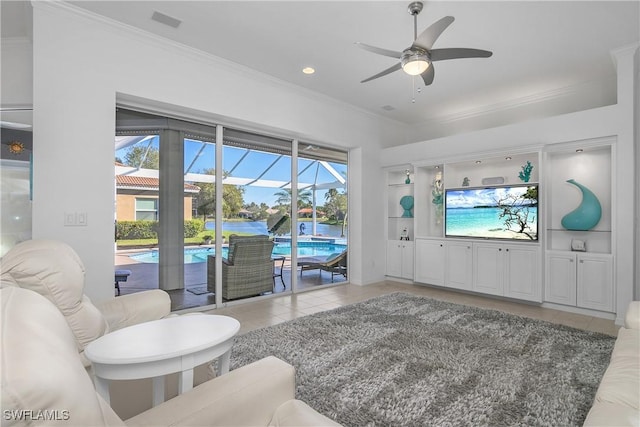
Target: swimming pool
[[196, 255]]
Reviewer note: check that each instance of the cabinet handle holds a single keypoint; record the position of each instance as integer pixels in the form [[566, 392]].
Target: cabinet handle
[[440, 244], [570, 260], [507, 250], [499, 249], [581, 261]]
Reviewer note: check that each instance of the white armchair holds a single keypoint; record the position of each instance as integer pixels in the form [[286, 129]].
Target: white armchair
[[54, 270]]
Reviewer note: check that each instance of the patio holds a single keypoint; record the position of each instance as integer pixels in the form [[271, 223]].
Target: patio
[[144, 276]]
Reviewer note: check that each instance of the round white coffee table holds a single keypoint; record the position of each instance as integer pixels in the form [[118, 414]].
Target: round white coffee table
[[160, 347]]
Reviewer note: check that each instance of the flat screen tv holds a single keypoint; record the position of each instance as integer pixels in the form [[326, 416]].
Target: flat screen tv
[[497, 212]]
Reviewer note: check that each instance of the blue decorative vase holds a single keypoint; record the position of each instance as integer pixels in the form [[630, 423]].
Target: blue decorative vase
[[407, 204], [587, 214]]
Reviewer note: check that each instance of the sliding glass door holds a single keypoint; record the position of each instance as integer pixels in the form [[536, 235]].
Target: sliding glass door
[[195, 200]]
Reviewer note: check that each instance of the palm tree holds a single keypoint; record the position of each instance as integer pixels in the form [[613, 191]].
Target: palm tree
[[284, 196]]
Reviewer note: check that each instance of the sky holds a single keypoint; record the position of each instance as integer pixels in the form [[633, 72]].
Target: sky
[[200, 157], [467, 198]]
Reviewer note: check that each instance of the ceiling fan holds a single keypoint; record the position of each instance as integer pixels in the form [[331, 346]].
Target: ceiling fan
[[417, 59]]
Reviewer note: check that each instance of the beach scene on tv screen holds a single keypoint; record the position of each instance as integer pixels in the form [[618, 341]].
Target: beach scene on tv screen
[[493, 213]]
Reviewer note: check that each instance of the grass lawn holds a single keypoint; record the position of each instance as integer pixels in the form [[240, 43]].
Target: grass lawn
[[149, 243]]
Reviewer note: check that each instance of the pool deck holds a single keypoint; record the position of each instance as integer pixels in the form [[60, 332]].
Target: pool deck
[[144, 276]]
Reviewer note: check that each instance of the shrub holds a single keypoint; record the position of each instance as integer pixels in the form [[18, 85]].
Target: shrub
[[193, 227], [135, 230]]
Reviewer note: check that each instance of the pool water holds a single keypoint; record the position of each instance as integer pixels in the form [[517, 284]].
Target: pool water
[[196, 255]]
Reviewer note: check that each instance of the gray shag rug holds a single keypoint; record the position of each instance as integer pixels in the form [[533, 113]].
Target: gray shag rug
[[403, 360]]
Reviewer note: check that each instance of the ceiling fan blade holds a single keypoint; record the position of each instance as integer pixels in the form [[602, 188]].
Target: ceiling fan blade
[[379, 50], [389, 70], [428, 37], [428, 75], [457, 53]]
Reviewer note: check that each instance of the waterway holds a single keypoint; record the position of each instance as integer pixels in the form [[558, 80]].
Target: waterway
[[260, 227]]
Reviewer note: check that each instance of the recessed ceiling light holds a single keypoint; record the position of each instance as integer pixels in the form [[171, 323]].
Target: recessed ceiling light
[[308, 70], [388, 108], [478, 162], [579, 150], [508, 158]]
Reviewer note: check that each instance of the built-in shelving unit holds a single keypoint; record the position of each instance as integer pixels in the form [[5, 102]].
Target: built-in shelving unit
[[544, 270], [582, 279], [590, 165], [400, 222], [462, 263]]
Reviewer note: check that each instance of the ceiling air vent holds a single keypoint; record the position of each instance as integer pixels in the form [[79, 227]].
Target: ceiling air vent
[[166, 19]]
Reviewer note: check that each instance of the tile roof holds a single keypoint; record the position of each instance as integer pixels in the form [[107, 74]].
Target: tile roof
[[145, 183]]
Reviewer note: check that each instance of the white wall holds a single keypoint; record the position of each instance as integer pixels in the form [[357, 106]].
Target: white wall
[[83, 65], [17, 67], [617, 120]]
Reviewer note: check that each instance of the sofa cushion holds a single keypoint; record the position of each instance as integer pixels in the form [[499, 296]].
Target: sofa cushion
[[632, 317], [296, 413], [54, 270], [612, 414], [620, 383], [43, 379], [247, 396]]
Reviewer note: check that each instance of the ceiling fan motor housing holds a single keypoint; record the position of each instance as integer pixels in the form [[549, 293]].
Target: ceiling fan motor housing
[[415, 8]]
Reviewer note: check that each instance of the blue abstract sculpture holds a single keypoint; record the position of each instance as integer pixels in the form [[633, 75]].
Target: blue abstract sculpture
[[407, 204], [587, 214]]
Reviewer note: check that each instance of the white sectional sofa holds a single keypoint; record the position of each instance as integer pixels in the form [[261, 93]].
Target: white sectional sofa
[[45, 383], [47, 321], [617, 401]]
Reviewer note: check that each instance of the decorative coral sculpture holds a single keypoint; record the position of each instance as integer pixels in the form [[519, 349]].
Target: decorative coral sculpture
[[525, 174]]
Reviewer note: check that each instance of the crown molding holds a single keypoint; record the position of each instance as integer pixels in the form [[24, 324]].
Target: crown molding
[[201, 56], [513, 103], [628, 49]]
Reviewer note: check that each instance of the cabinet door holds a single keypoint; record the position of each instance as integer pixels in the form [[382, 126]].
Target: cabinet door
[[430, 261], [595, 282], [459, 263], [407, 260], [394, 258], [522, 273], [560, 280], [488, 270]]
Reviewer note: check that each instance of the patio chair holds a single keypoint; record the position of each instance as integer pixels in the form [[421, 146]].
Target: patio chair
[[248, 270], [336, 264]]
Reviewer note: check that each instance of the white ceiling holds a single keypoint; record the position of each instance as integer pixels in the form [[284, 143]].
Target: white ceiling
[[542, 50]]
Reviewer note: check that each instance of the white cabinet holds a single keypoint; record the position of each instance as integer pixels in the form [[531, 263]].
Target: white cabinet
[[459, 272], [487, 269], [580, 279], [400, 259], [560, 281], [430, 261], [444, 263], [507, 270]]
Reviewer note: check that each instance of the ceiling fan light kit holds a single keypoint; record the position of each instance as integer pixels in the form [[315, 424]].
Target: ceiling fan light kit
[[417, 59], [414, 63]]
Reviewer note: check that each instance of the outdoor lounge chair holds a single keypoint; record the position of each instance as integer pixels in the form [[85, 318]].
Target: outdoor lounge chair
[[248, 270], [336, 264]]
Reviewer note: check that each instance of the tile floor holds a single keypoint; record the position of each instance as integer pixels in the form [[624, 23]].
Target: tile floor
[[276, 310]]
